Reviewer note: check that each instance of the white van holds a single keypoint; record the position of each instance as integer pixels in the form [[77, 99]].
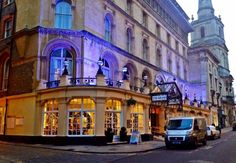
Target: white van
[[186, 130]]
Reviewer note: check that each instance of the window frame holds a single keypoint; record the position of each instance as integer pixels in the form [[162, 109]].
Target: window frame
[[5, 74], [81, 110], [54, 110], [112, 111], [8, 27], [60, 17]]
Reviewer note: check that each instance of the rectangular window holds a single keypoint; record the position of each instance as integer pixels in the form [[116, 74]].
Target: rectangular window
[[211, 80], [7, 2], [129, 7], [168, 39], [8, 28], [145, 19], [177, 46], [158, 30], [184, 51]]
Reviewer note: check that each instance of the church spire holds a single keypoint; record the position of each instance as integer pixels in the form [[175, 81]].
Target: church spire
[[205, 9]]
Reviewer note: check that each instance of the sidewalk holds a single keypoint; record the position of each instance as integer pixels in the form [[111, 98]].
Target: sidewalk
[[108, 149]]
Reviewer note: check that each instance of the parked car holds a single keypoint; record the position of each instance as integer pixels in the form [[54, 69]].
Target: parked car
[[212, 132], [234, 126], [186, 130]]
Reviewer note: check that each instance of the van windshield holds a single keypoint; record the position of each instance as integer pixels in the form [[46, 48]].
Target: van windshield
[[180, 124]]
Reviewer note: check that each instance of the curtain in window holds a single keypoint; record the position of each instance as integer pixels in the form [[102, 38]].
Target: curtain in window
[[60, 59], [63, 15]]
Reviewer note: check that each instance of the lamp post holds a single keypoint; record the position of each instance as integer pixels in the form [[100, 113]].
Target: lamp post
[[100, 64], [65, 71], [145, 77], [124, 70]]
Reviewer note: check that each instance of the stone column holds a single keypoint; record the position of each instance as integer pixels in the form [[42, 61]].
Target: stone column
[[124, 110], [65, 80], [38, 119], [126, 84], [62, 119], [162, 120], [101, 80], [100, 117], [42, 84], [146, 119]]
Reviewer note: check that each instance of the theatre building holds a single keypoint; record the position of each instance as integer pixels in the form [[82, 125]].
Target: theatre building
[[72, 69]]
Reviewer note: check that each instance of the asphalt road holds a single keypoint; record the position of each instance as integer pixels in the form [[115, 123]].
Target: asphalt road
[[218, 151], [221, 150]]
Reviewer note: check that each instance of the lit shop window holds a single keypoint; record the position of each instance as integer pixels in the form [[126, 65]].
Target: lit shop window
[[63, 15], [50, 115], [113, 116], [137, 120], [81, 117]]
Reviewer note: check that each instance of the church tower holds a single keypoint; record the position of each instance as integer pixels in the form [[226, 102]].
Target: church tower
[[209, 31], [208, 43]]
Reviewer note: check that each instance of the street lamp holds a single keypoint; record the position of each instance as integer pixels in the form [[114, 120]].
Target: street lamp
[[125, 70], [145, 77], [65, 71], [100, 64]]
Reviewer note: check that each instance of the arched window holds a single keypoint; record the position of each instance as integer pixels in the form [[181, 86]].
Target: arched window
[[113, 116], [108, 27], [129, 40], [106, 69], [6, 74], [145, 50], [59, 60], [81, 117], [202, 32], [63, 15], [50, 118], [158, 58]]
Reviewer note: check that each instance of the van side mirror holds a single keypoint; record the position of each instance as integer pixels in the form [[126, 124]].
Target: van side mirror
[[165, 128]]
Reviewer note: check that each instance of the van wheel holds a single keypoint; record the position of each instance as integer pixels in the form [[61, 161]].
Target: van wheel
[[194, 144], [168, 146]]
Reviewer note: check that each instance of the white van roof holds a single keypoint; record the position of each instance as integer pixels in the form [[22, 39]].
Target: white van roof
[[186, 118]]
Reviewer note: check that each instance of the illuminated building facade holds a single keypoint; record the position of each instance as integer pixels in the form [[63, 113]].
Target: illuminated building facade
[[77, 68]]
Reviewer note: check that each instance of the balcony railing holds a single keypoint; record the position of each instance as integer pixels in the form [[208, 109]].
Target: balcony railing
[[53, 84], [113, 83], [91, 82], [83, 81]]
